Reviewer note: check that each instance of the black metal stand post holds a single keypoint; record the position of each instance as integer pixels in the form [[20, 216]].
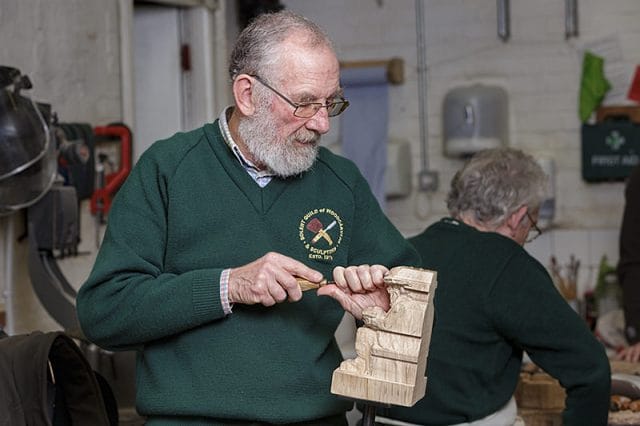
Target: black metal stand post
[[368, 415]]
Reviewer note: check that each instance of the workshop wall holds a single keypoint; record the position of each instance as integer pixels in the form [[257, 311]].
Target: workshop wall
[[70, 51], [539, 69]]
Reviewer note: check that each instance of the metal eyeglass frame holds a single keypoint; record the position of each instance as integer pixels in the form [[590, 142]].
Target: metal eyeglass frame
[[534, 227], [333, 108]]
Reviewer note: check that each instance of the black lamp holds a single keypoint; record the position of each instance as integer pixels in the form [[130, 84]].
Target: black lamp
[[28, 164]]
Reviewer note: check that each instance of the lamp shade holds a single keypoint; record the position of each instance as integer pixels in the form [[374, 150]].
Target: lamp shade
[[27, 151]]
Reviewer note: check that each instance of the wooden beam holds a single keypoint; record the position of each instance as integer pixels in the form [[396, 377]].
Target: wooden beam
[[395, 67]]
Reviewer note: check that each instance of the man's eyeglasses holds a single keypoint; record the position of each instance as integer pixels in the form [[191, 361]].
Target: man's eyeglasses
[[308, 110], [534, 232]]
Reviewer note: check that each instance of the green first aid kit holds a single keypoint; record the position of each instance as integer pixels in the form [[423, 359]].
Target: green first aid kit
[[610, 150]]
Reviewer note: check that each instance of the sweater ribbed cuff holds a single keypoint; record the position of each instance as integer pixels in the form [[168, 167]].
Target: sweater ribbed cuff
[[206, 296]]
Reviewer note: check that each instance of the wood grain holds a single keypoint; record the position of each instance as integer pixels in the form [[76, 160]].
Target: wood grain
[[392, 346]]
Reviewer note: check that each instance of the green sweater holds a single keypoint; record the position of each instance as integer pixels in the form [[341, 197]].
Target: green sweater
[[493, 301], [187, 212]]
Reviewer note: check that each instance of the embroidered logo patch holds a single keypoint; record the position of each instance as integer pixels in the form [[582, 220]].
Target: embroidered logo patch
[[321, 231]]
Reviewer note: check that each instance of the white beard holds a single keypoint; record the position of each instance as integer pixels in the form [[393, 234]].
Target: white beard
[[283, 156]]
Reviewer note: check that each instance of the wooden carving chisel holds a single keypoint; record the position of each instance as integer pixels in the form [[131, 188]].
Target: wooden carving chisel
[[308, 285]]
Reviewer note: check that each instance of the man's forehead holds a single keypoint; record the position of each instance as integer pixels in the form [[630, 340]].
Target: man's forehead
[[311, 88], [307, 69], [307, 55]]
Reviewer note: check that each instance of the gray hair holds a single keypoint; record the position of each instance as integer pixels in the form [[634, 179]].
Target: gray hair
[[495, 183], [257, 49]]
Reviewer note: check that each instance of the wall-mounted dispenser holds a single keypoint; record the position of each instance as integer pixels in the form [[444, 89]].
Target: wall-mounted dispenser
[[548, 206], [398, 174], [474, 118]]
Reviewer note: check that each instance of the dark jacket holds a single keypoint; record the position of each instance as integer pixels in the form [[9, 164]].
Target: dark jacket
[[629, 264], [29, 384]]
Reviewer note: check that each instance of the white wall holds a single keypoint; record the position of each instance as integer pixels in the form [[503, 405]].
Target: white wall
[[70, 50], [540, 71]]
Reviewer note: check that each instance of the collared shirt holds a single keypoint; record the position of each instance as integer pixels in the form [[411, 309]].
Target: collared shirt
[[261, 177]]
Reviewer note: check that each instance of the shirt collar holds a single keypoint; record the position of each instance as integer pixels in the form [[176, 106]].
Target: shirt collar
[[262, 177]]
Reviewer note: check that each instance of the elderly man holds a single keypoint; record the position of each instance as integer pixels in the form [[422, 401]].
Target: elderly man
[[495, 301], [207, 238]]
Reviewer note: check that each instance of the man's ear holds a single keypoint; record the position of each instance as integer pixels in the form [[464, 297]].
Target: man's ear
[[242, 90], [514, 220]]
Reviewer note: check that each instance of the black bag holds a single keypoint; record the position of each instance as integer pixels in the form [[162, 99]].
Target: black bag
[[46, 380]]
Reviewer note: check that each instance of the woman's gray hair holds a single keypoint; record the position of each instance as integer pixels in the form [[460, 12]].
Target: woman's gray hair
[[257, 49], [495, 183]]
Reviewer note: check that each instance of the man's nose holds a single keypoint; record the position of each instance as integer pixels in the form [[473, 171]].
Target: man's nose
[[319, 122]]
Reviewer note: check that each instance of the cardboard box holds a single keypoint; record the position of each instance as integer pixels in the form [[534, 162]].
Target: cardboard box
[[618, 112], [539, 391]]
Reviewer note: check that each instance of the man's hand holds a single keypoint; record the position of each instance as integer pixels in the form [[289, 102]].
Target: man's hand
[[358, 287], [630, 353], [269, 280]]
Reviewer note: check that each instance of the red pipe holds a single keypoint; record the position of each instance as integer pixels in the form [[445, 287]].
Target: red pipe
[[114, 180]]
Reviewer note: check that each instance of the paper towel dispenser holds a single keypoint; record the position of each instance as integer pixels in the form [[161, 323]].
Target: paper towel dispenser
[[548, 205], [474, 118], [398, 174]]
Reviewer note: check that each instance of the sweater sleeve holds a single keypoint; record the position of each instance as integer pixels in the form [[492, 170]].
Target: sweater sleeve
[[129, 299], [528, 310]]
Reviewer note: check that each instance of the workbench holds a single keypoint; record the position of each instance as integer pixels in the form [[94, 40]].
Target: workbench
[[540, 397]]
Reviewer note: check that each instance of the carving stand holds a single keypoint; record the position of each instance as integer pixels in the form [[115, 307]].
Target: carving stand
[[392, 346]]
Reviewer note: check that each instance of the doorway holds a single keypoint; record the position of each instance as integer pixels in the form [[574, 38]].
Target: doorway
[[159, 76], [170, 49]]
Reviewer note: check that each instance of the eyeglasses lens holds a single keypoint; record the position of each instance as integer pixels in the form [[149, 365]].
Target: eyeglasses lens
[[309, 110]]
